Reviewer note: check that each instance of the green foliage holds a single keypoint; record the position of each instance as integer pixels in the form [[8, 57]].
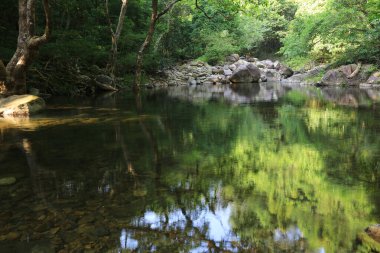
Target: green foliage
[[218, 45], [341, 31]]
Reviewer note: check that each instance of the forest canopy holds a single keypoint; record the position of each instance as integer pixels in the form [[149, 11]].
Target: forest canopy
[[300, 32]]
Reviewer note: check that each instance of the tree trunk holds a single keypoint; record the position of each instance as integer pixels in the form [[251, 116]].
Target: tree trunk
[[115, 35], [148, 39], [153, 20], [27, 45]]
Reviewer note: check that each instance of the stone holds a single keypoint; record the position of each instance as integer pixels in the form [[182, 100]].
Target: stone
[[251, 59], [214, 79], [260, 65], [342, 75], [232, 67], [217, 70], [311, 77], [277, 65], [374, 78], [5, 181], [246, 74], [267, 64], [233, 58], [271, 75], [227, 72], [192, 81], [241, 63], [285, 71], [105, 83], [20, 105]]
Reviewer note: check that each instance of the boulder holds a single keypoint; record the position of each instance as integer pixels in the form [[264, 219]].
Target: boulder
[[246, 74], [214, 78], [277, 65], [271, 75], [227, 72], [285, 71], [232, 67], [20, 105], [252, 59], [233, 58], [104, 82], [351, 74], [311, 77], [241, 63], [260, 65], [268, 64], [374, 78], [217, 70]]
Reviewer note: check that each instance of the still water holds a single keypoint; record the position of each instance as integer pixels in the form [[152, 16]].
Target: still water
[[264, 169]]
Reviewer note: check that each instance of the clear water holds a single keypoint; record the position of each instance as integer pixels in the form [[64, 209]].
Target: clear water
[[192, 170]]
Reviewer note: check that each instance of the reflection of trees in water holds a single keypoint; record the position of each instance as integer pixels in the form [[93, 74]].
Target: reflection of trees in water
[[273, 172]]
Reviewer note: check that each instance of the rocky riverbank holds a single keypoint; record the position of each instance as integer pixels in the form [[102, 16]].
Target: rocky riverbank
[[238, 69]]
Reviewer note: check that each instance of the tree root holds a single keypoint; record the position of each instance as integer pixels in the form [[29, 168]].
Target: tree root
[[356, 71]]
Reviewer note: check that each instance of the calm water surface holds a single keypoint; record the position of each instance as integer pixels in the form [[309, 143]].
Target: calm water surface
[[186, 170]]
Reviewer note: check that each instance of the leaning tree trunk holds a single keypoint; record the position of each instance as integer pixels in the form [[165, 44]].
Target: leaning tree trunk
[[144, 46], [27, 45], [115, 35], [153, 20]]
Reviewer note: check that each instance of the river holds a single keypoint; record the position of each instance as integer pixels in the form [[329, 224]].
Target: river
[[240, 169]]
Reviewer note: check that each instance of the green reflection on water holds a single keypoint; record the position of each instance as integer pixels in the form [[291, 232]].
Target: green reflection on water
[[171, 175]]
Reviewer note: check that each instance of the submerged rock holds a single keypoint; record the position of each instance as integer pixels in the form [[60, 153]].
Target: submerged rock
[[20, 105]]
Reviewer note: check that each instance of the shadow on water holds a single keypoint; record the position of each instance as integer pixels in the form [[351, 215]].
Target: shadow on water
[[185, 170]]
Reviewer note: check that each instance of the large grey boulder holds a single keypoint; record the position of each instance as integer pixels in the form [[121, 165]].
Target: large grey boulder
[[20, 105], [246, 74]]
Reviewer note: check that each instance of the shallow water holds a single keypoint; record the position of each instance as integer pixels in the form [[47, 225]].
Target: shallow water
[[192, 170]]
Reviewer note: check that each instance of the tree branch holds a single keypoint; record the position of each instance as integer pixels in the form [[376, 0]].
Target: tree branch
[[202, 10], [109, 19], [37, 41], [167, 8]]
